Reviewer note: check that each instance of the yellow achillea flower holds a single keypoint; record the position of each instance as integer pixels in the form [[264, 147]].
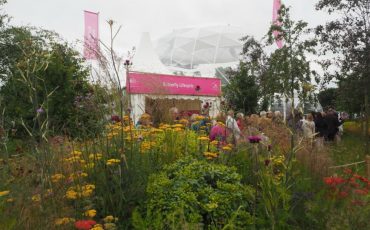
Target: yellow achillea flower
[[90, 213], [76, 153], [4, 193], [110, 226], [75, 192], [214, 142], [178, 126], [210, 155], [64, 220], [71, 194], [227, 148], [36, 198], [96, 156], [199, 118], [89, 165], [73, 159], [10, 200], [113, 161], [97, 227], [77, 175], [177, 129], [110, 218], [203, 138], [57, 177]]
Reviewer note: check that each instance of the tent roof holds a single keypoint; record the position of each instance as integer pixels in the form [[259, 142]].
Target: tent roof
[[146, 60]]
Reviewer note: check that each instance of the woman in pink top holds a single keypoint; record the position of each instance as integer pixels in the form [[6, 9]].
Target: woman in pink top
[[219, 132]]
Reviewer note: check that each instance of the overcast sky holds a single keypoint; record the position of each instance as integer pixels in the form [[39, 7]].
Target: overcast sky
[[158, 17]]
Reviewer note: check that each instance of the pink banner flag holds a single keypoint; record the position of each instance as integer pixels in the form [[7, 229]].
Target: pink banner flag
[[161, 84], [91, 39], [275, 21]]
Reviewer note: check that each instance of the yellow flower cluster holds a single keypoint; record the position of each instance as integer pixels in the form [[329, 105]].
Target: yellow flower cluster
[[147, 145], [110, 218], [64, 221], [90, 213], [36, 198], [75, 192], [113, 161], [77, 175], [203, 138], [199, 118], [96, 156], [57, 177], [4, 193], [278, 160], [227, 147], [97, 227], [210, 155], [74, 157]]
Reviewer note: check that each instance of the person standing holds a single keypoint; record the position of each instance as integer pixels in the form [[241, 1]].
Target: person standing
[[232, 125]]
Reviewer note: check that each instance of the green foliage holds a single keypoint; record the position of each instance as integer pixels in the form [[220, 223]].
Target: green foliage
[[328, 97], [38, 71], [243, 91], [196, 192]]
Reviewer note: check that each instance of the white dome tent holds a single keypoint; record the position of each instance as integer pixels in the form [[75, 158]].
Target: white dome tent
[[191, 47], [195, 51]]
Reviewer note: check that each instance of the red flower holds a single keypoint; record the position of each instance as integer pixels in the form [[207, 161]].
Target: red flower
[[343, 194], [361, 191], [84, 224], [334, 181], [348, 171], [358, 202]]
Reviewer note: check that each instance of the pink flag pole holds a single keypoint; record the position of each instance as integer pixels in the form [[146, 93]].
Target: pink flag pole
[[275, 21], [91, 35]]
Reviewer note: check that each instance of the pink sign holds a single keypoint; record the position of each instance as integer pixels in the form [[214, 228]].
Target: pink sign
[[91, 39], [275, 17], [145, 83]]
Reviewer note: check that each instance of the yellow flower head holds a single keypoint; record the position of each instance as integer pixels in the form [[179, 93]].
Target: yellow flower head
[[226, 148], [4, 193], [90, 213], [71, 194], [214, 142], [210, 155], [64, 220], [76, 153], [113, 161], [96, 156], [97, 227], [57, 177], [110, 218], [110, 226], [203, 138], [36, 198]]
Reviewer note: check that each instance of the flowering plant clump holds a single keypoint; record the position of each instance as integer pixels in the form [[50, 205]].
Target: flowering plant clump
[[350, 185]]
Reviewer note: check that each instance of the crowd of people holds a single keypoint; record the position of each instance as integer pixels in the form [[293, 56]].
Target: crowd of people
[[234, 127]]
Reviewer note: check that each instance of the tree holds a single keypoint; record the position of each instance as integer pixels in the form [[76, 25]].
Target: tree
[[42, 77], [242, 92], [289, 68], [346, 41], [328, 97]]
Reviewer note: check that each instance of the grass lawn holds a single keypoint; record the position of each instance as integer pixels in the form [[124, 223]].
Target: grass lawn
[[350, 149]]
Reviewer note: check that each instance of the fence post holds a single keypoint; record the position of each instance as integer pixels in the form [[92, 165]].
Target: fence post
[[367, 161]]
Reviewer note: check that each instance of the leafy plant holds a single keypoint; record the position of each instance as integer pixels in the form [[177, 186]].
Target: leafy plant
[[201, 192]]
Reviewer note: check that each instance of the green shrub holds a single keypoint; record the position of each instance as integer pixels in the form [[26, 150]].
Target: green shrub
[[196, 193]]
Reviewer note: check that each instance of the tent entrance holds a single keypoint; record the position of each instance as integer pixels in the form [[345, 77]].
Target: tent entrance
[[160, 108]]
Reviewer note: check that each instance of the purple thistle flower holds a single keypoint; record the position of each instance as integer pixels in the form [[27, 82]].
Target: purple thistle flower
[[254, 139]]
